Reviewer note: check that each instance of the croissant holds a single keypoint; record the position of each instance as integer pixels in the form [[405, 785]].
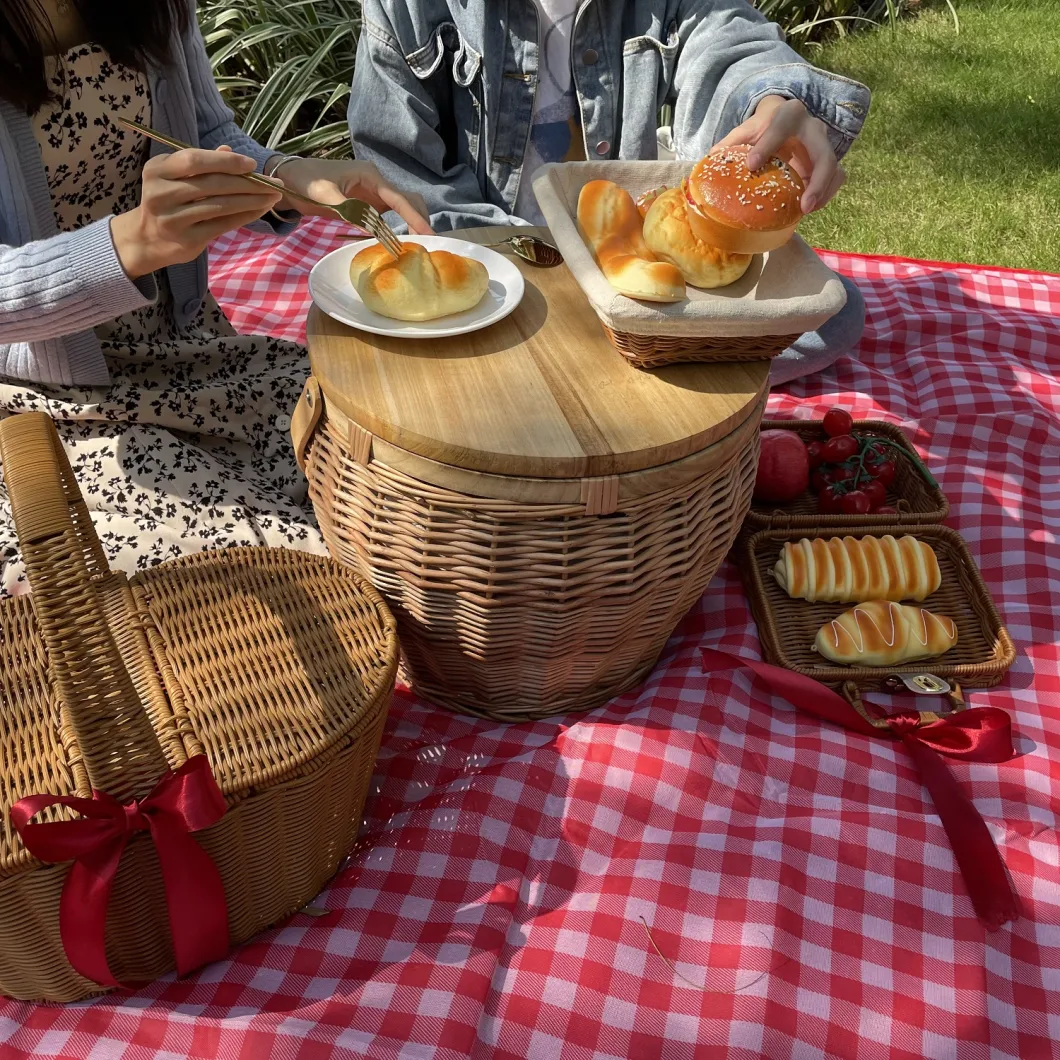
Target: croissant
[[612, 226], [883, 633], [848, 570]]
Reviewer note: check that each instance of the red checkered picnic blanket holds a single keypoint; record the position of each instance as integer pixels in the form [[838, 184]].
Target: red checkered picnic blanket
[[516, 886]]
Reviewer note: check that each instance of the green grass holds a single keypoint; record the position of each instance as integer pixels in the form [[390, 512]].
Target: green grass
[[960, 157]]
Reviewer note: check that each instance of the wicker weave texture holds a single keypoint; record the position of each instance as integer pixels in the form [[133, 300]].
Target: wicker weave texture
[[277, 665], [657, 351], [516, 611]]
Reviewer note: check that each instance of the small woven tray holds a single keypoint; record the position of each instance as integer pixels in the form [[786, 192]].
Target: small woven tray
[[914, 492], [787, 628]]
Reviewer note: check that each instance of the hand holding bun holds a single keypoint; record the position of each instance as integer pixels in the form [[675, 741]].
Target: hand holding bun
[[883, 633], [611, 224], [420, 285], [669, 236], [741, 211]]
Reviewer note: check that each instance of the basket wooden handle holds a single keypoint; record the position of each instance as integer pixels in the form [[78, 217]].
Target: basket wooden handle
[[65, 565]]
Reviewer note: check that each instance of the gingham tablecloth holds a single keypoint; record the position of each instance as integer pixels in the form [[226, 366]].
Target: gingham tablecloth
[[500, 901]]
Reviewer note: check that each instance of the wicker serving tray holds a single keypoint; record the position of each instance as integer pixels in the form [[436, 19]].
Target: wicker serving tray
[[787, 628], [783, 294], [914, 492]]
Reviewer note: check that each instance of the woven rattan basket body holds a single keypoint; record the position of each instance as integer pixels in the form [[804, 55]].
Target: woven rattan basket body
[[277, 665], [521, 598]]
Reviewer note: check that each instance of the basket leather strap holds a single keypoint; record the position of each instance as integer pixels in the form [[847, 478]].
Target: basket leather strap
[[600, 495], [305, 419]]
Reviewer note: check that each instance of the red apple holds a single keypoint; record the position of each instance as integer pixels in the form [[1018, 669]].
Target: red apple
[[783, 467]]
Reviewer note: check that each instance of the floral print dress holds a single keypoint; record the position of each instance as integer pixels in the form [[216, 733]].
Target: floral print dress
[[189, 447]]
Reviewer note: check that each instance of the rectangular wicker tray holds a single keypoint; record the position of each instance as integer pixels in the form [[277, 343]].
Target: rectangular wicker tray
[[783, 294], [787, 628], [915, 493]]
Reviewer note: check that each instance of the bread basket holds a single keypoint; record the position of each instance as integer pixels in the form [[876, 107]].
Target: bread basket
[[266, 673], [783, 294]]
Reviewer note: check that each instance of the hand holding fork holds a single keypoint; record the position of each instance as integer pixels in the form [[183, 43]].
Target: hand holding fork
[[192, 196]]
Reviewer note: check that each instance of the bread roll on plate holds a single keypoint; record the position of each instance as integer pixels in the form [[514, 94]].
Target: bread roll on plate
[[670, 238], [420, 285], [883, 633], [611, 224]]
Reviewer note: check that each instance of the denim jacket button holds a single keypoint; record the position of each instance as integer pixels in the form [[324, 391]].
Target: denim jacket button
[[589, 56], [603, 147]]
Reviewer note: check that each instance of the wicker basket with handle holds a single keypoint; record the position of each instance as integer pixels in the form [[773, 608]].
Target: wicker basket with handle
[[275, 665]]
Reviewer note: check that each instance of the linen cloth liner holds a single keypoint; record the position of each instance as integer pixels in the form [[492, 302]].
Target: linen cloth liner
[[786, 292]]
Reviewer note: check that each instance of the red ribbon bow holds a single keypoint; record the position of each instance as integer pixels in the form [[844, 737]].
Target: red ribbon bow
[[981, 734], [182, 802]]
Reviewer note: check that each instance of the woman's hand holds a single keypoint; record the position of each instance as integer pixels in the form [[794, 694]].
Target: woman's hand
[[332, 180], [784, 127], [189, 198]]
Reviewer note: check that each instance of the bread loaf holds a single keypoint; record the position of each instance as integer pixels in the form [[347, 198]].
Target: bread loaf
[[611, 224], [420, 285], [849, 569], [669, 237], [883, 633]]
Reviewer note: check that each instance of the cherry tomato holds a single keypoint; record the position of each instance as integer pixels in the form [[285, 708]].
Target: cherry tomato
[[885, 472], [818, 481], [854, 503], [815, 451], [840, 448], [830, 501], [886, 509], [837, 421], [876, 492], [876, 451], [839, 474]]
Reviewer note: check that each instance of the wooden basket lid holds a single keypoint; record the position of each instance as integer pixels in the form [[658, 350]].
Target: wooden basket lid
[[540, 394]]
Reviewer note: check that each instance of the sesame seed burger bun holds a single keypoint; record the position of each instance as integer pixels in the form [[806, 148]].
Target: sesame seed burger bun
[[669, 238], [731, 208]]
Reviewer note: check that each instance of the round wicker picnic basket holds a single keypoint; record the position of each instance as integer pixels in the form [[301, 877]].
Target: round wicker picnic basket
[[275, 665], [538, 515]]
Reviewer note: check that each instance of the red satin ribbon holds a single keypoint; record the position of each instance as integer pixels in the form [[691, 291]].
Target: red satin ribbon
[[981, 734], [182, 802]]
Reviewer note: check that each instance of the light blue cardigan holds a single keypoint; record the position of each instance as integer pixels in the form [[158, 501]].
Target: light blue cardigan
[[54, 288]]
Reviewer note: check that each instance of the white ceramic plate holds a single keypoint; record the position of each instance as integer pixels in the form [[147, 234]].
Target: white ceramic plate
[[330, 287]]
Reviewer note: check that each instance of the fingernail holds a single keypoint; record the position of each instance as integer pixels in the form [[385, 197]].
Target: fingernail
[[810, 204]]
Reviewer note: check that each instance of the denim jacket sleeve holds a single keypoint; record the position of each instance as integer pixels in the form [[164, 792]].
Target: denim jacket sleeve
[[394, 123], [731, 57]]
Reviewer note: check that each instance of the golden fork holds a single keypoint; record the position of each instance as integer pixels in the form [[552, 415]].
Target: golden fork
[[354, 212]]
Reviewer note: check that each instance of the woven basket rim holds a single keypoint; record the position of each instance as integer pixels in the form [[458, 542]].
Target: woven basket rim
[[983, 674]]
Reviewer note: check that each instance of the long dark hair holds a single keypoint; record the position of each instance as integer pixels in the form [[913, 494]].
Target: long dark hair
[[134, 32]]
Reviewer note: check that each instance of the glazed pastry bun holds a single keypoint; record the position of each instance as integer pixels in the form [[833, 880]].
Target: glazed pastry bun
[[611, 224], [883, 633], [741, 212], [420, 285], [669, 238]]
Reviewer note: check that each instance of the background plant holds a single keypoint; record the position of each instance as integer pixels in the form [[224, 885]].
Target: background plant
[[284, 66]]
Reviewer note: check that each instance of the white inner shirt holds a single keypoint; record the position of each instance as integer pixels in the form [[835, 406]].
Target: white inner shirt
[[556, 129]]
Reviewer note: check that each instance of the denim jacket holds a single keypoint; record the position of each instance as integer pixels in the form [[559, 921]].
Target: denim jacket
[[443, 93]]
